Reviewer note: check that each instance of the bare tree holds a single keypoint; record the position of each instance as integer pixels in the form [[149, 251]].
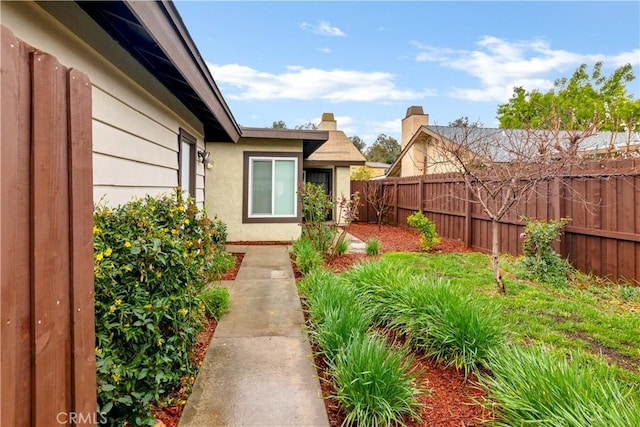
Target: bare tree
[[380, 200], [501, 167]]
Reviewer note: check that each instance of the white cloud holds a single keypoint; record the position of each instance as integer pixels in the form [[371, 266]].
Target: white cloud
[[387, 126], [324, 49], [301, 83], [323, 29], [499, 65]]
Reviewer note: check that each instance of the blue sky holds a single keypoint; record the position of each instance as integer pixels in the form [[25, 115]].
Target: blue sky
[[367, 61]]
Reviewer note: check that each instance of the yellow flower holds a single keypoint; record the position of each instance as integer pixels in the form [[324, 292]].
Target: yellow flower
[[148, 306], [127, 268], [99, 256], [118, 302], [180, 208], [159, 274], [96, 230], [127, 244], [116, 377], [183, 311], [160, 342], [186, 221], [174, 231], [98, 350], [107, 211], [112, 309], [108, 252], [126, 325]]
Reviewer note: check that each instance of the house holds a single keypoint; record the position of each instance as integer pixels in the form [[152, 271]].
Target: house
[[255, 181], [372, 169], [421, 153], [154, 100]]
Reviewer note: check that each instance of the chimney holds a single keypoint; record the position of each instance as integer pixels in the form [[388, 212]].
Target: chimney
[[414, 119], [328, 122]]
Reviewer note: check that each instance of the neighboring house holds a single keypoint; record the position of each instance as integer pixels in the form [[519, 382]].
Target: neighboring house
[[372, 169], [421, 154], [154, 100], [330, 166]]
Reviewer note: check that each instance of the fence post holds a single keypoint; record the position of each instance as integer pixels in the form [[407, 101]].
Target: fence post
[[467, 218], [395, 203]]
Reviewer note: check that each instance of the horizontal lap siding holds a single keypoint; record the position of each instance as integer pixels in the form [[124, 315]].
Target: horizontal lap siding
[[132, 122]]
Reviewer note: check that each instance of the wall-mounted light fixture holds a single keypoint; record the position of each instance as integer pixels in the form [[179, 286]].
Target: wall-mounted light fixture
[[205, 158]]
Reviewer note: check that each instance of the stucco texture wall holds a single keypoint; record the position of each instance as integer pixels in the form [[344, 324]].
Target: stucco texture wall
[[224, 190]]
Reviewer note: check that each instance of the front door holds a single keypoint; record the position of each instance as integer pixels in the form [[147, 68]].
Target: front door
[[321, 177]]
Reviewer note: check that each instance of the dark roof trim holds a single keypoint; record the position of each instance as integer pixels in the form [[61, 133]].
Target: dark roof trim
[[154, 34], [311, 139], [333, 163]]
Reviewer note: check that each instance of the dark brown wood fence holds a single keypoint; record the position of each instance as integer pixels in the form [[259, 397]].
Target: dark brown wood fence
[[602, 199], [47, 356]]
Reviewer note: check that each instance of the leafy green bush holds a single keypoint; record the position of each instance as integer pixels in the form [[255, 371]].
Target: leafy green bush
[[428, 235], [316, 205], [215, 300], [375, 383], [152, 257], [540, 261], [307, 258], [535, 387], [373, 246]]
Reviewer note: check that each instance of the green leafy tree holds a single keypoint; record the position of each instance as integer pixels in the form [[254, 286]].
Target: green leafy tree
[[574, 102], [463, 122], [279, 125], [385, 149], [307, 126], [359, 143]]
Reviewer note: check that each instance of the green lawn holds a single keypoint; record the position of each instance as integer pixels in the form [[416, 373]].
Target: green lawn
[[600, 320]]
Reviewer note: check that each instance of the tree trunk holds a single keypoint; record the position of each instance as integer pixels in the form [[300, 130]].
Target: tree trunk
[[495, 239]]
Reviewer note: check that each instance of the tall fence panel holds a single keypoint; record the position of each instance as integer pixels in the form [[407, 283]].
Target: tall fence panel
[[47, 359], [602, 199]]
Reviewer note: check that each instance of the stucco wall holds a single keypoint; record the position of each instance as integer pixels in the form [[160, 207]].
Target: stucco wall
[[342, 185], [224, 189], [135, 130]]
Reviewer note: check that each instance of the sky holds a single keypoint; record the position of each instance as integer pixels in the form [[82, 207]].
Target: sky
[[368, 61]]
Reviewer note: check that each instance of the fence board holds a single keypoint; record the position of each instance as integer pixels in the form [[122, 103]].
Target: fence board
[[46, 348], [82, 286], [602, 199], [51, 240]]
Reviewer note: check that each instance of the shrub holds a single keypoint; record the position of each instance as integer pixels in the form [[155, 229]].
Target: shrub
[[374, 383], [152, 257], [316, 278], [534, 386], [215, 300], [307, 258], [373, 246], [428, 235], [540, 261], [316, 205]]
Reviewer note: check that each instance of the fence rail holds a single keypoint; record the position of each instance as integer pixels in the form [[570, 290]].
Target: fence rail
[[47, 341], [602, 199]]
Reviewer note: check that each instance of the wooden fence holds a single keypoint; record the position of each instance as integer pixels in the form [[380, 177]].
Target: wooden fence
[[602, 199], [47, 341]]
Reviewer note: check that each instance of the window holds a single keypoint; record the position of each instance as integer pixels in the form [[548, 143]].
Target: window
[[271, 181], [187, 162]]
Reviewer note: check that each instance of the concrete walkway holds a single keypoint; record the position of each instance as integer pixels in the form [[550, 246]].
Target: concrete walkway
[[258, 370]]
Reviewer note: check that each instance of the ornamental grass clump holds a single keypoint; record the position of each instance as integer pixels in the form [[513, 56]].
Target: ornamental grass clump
[[152, 259], [215, 301], [438, 318], [375, 383], [373, 247], [533, 386], [306, 256]]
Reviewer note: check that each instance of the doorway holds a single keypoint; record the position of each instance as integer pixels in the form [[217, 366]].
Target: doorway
[[321, 177]]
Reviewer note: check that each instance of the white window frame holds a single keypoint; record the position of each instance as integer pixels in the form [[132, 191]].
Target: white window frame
[[273, 160]]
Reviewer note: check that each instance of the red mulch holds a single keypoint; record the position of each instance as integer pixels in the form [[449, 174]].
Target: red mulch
[[170, 414]]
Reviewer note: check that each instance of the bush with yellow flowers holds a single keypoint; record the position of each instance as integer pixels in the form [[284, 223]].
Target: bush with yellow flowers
[[153, 257]]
